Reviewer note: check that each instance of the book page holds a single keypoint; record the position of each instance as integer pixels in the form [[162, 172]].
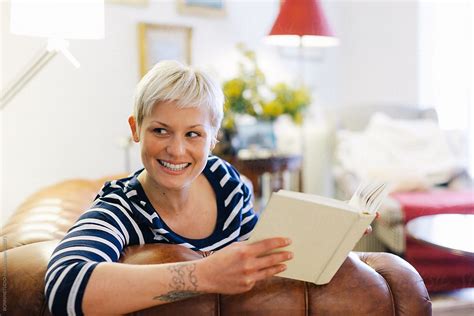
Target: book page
[[369, 196], [313, 198]]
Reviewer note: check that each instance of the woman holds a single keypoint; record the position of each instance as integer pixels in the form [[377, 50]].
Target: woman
[[183, 196]]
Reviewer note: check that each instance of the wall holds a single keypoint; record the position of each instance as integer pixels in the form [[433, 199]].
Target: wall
[[67, 123], [376, 63], [446, 68], [379, 52]]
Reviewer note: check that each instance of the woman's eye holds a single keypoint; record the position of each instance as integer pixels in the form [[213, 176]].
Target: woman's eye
[[159, 130], [192, 134]]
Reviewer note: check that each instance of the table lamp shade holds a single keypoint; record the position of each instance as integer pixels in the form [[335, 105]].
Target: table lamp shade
[[301, 22], [65, 19]]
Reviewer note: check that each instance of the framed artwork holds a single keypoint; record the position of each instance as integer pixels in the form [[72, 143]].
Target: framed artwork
[[158, 42], [259, 135], [202, 7]]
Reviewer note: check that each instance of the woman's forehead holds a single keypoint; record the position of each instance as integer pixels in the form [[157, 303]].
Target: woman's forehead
[[169, 112]]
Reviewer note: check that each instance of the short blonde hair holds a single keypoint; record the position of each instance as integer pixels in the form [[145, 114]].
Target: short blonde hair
[[170, 80]]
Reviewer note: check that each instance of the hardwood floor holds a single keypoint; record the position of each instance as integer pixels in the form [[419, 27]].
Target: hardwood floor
[[454, 303]]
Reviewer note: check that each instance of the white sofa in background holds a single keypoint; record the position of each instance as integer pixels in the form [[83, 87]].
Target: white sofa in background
[[323, 176]]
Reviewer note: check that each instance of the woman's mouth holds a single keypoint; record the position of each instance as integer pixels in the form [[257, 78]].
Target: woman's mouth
[[174, 167]]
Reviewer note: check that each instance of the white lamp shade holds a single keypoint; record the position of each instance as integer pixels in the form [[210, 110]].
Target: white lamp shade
[[66, 19]]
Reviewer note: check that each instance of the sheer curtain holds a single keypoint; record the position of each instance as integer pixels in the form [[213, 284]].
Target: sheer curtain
[[446, 34]]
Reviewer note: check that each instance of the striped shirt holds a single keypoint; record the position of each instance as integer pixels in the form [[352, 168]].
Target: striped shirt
[[121, 215]]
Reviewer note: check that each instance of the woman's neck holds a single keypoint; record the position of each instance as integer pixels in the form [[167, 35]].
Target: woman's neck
[[169, 201]]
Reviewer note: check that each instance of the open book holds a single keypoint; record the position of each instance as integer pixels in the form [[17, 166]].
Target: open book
[[323, 230]]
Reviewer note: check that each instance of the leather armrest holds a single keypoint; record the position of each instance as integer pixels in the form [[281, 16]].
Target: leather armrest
[[366, 284], [23, 269], [408, 289]]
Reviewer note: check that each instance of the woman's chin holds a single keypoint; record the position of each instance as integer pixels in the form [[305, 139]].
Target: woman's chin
[[171, 179]]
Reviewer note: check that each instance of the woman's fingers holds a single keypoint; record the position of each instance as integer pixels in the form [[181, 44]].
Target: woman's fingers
[[272, 259], [368, 230], [241, 264], [261, 247], [268, 272]]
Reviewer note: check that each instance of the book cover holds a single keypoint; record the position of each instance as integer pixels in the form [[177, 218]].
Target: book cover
[[323, 230]]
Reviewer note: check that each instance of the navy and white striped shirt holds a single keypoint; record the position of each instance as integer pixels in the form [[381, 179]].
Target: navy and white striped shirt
[[122, 215]]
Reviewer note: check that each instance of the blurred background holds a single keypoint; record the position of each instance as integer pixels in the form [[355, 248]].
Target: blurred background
[[71, 122]]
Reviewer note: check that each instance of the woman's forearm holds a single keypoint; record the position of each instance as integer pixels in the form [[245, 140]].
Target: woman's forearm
[[115, 288]]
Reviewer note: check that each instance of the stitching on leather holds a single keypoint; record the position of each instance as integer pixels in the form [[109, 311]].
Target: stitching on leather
[[391, 293], [306, 299], [44, 308]]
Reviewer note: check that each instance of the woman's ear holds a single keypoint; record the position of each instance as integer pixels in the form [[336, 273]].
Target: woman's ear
[[214, 141], [134, 128]]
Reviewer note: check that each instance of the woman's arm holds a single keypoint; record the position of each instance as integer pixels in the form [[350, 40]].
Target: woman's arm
[[115, 288]]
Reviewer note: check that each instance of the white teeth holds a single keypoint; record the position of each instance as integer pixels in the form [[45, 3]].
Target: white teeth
[[173, 167]]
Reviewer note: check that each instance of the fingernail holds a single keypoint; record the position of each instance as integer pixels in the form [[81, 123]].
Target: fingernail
[[289, 255], [287, 241], [283, 268]]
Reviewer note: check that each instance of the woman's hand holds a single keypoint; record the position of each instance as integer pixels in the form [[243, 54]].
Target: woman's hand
[[236, 268], [369, 229]]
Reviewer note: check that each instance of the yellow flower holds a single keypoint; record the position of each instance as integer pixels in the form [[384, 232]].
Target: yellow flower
[[250, 94], [272, 109], [234, 88], [302, 96], [292, 106], [298, 118]]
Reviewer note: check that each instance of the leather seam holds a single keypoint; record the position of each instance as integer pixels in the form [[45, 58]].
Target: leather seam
[[394, 308], [306, 299], [44, 307]]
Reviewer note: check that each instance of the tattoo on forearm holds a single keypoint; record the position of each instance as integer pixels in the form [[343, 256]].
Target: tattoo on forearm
[[184, 283], [176, 296]]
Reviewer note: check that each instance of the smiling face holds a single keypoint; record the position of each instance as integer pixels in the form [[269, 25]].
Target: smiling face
[[175, 143]]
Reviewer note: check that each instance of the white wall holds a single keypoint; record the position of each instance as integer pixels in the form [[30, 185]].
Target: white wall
[[376, 63], [446, 68], [66, 122], [379, 52]]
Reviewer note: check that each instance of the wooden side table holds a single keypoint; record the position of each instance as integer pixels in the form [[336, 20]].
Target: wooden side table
[[276, 166]]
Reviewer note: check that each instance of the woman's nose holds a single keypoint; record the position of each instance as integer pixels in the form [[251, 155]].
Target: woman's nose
[[176, 146]]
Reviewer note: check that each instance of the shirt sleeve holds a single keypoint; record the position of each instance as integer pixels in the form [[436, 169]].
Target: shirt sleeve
[[99, 235]]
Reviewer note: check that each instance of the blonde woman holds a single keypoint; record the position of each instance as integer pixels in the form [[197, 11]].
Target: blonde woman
[[184, 195]]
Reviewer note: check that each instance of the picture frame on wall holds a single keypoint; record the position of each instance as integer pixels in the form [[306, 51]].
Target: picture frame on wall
[[257, 135], [202, 7], [158, 42]]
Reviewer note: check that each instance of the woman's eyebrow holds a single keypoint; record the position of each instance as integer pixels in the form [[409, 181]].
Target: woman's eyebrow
[[196, 125], [161, 123], [166, 125]]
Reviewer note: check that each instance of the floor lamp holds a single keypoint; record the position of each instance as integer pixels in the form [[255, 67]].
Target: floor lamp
[[301, 24], [56, 21]]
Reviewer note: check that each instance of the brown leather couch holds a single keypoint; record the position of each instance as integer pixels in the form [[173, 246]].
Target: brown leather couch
[[366, 284]]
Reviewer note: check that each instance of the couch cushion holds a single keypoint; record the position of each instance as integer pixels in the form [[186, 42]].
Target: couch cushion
[[436, 201]]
